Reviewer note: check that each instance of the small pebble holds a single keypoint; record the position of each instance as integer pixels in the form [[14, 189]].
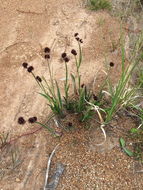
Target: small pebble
[[17, 180]]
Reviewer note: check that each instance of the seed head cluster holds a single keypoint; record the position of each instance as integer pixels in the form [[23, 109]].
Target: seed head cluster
[[47, 56], [82, 85], [70, 124], [76, 35], [47, 52], [22, 121], [32, 119], [65, 57], [111, 64], [29, 69], [25, 65], [95, 97], [38, 79], [73, 51]]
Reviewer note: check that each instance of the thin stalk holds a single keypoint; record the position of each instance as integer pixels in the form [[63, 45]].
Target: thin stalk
[[51, 77], [66, 84], [78, 74], [39, 83], [49, 89], [80, 55], [46, 127], [59, 97]]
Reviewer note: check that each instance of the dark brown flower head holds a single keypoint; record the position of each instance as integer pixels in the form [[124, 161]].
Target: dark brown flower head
[[21, 121], [73, 51], [47, 50], [39, 79], [111, 64], [63, 55], [95, 97], [31, 120], [70, 124], [76, 34], [35, 119], [81, 41], [30, 69], [77, 38], [47, 56], [66, 59], [82, 85], [25, 65]]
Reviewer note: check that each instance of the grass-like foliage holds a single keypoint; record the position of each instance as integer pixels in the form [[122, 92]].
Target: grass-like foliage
[[99, 4], [3, 139], [140, 78], [75, 97], [122, 95], [58, 98], [136, 137]]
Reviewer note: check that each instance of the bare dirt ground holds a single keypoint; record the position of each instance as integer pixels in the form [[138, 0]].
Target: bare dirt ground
[[26, 27]]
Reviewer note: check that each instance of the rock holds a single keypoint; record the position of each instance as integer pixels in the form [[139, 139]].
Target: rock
[[138, 167], [17, 180]]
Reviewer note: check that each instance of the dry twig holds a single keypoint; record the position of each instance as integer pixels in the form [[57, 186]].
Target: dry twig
[[48, 167]]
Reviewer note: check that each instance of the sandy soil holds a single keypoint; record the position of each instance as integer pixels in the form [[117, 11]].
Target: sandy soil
[[26, 27]]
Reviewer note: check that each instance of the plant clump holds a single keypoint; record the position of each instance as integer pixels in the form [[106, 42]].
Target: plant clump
[[63, 103], [75, 97], [99, 4]]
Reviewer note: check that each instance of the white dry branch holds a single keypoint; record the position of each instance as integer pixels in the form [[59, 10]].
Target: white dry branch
[[140, 126], [56, 122], [98, 109], [48, 166]]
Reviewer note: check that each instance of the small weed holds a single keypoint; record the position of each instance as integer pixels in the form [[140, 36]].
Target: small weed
[[126, 150], [69, 127], [99, 4], [126, 9], [136, 136], [3, 139], [100, 22], [87, 126], [15, 158], [138, 113]]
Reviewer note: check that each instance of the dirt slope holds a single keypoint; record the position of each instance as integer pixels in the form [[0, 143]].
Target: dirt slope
[[26, 27]]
